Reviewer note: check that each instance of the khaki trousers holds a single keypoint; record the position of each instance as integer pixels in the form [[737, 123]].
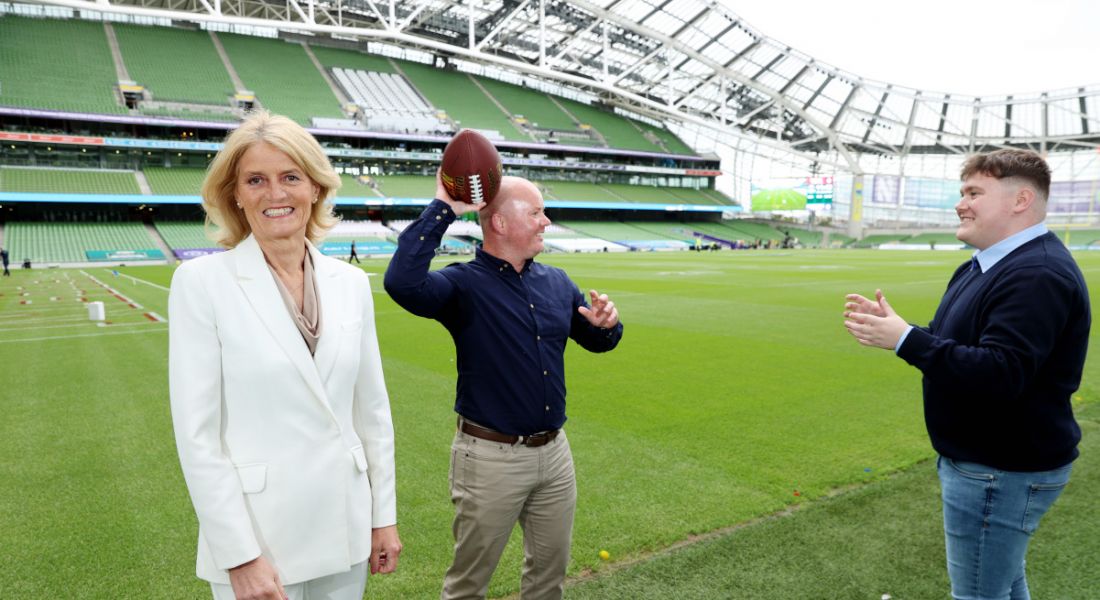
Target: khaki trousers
[[494, 485], [348, 585]]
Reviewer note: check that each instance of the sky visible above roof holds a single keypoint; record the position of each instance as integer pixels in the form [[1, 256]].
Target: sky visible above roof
[[966, 47]]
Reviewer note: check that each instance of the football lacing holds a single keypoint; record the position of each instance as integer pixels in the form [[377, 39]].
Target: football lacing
[[476, 191]]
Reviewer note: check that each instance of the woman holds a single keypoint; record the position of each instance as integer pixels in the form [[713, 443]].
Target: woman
[[278, 402]]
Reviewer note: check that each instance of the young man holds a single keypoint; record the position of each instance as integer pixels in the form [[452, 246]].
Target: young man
[[510, 318], [1000, 359]]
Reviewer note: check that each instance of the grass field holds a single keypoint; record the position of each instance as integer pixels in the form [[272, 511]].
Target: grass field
[[736, 403]]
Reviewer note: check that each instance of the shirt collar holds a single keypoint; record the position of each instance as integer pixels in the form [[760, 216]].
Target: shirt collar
[[499, 263], [993, 254]]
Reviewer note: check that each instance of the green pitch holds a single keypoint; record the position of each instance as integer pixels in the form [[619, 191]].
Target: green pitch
[[735, 386]]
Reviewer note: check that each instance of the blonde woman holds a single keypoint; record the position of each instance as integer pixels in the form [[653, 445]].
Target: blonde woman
[[279, 406]]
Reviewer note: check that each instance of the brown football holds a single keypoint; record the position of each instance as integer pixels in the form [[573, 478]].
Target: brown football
[[471, 168]]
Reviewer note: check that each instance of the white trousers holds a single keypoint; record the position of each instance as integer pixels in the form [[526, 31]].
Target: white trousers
[[348, 585]]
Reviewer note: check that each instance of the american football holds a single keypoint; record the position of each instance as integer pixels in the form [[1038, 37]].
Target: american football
[[471, 168]]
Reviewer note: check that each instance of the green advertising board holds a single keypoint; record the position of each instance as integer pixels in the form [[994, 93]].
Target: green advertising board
[[118, 255]]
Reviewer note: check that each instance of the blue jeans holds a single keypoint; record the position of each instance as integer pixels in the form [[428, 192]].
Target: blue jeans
[[989, 516]]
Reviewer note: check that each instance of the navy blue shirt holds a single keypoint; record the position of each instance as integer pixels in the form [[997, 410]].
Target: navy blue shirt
[[509, 328], [1002, 357]]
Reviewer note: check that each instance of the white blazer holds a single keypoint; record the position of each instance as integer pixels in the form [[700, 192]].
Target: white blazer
[[285, 454]]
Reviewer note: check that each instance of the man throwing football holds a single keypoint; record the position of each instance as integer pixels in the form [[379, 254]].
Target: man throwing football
[[510, 318]]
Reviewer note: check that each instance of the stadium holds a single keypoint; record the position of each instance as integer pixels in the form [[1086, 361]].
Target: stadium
[[724, 187]]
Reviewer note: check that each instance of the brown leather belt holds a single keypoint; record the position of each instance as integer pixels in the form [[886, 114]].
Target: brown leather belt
[[533, 441]]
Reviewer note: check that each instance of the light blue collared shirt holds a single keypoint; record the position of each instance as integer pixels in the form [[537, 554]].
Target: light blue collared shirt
[[993, 255]]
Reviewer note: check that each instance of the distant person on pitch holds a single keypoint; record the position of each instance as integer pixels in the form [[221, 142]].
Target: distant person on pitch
[[4, 258], [280, 410], [353, 255], [510, 318], [1001, 358]]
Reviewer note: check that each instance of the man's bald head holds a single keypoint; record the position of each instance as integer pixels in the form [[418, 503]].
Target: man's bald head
[[512, 189], [512, 224]]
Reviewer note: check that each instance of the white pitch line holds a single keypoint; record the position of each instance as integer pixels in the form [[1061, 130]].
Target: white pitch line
[[149, 283], [117, 294], [3, 329], [83, 335], [52, 320]]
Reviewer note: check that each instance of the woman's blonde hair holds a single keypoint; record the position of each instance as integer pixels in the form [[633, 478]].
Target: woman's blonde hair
[[219, 188]]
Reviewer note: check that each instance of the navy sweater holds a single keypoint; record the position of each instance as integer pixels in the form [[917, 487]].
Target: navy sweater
[[1001, 358]]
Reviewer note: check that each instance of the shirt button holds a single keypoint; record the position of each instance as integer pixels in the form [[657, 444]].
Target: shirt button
[[547, 409], [422, 238], [544, 372], [538, 337], [438, 218], [532, 306]]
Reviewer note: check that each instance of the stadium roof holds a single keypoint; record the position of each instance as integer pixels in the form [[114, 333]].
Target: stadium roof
[[684, 61]]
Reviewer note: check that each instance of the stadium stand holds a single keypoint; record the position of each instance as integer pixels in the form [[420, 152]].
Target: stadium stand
[[609, 236], [184, 234], [67, 181], [463, 101], [619, 192], [617, 131], [665, 195], [1078, 237], [370, 237], [360, 229], [872, 241], [152, 56], [666, 139], [174, 182], [332, 58], [40, 74], [558, 231], [928, 238], [717, 197], [750, 230], [578, 191], [721, 231], [807, 238], [282, 76], [406, 186], [353, 188], [69, 242], [535, 107], [388, 101], [616, 231]]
